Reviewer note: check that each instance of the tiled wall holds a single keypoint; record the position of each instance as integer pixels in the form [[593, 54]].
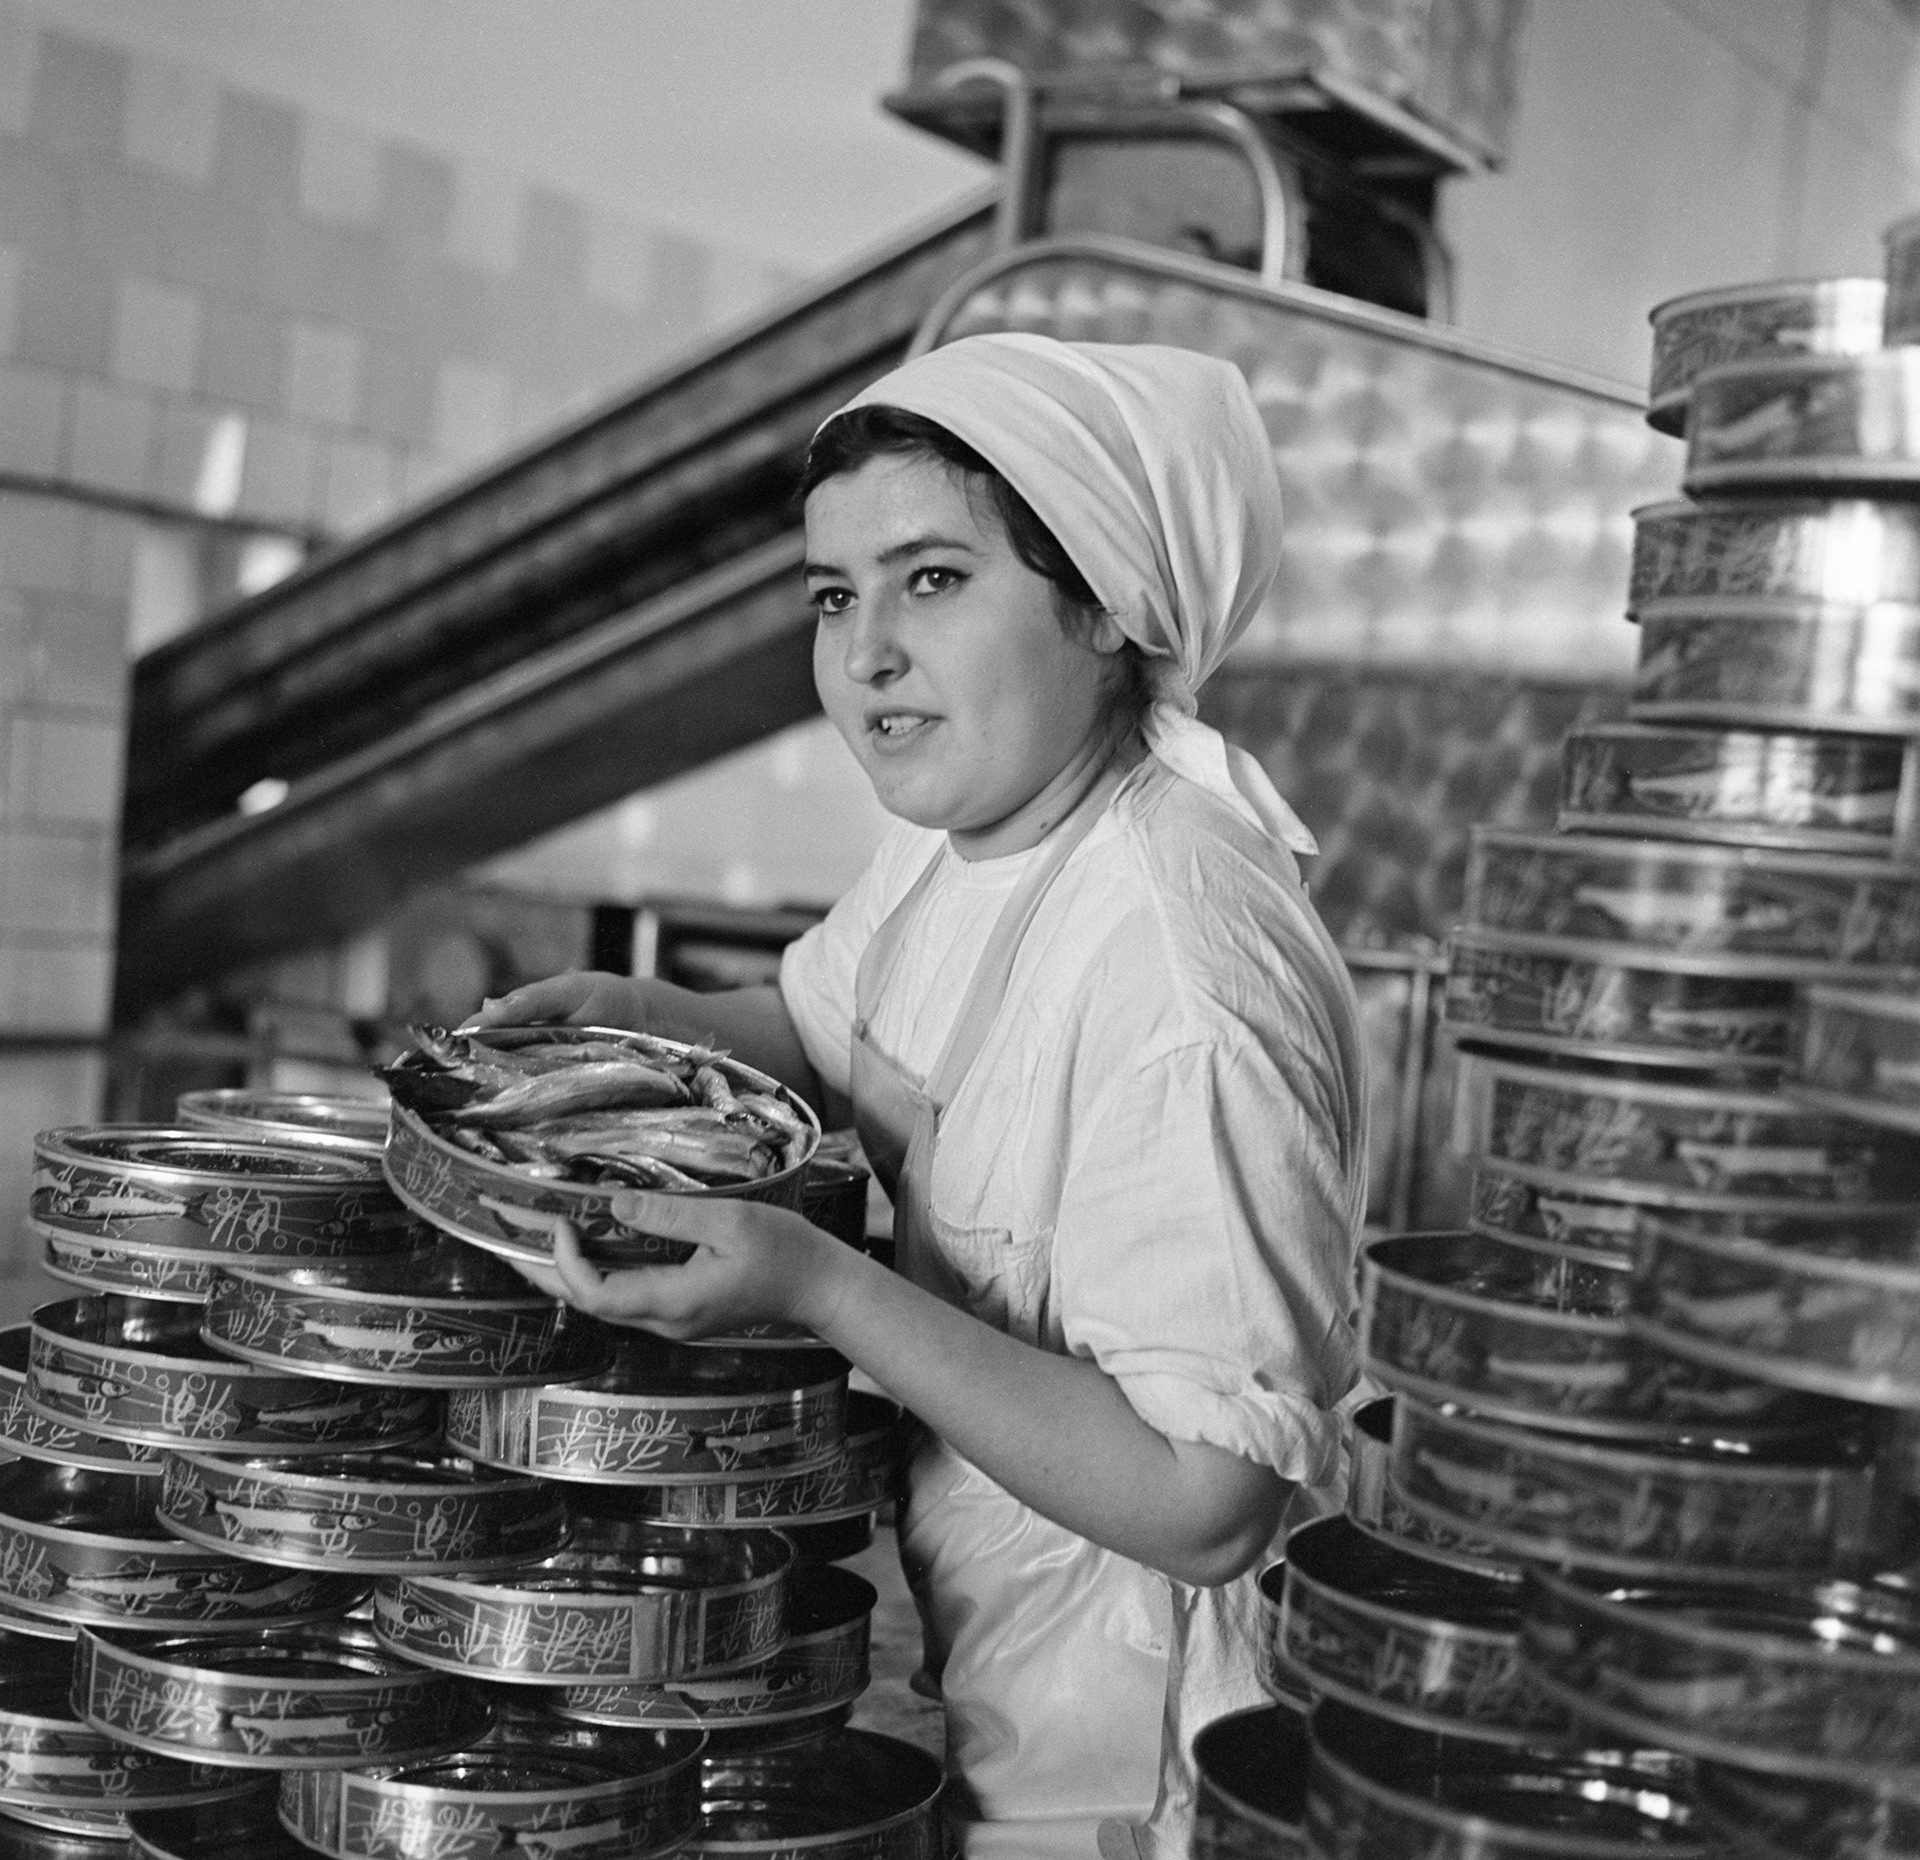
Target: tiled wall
[[230, 325]]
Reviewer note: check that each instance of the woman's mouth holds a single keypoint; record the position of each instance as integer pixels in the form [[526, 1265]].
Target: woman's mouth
[[895, 729]]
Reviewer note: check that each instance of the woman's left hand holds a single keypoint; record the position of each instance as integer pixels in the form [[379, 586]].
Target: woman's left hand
[[752, 1265]]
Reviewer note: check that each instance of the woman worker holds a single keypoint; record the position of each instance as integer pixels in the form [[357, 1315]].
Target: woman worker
[[1100, 1050]]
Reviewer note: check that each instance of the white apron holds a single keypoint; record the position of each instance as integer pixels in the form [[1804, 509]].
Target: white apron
[[1051, 1653]]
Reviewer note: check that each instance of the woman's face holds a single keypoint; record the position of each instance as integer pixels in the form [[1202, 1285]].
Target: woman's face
[[940, 656]]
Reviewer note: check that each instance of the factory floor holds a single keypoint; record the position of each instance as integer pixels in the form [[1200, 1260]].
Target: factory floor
[[890, 1704]]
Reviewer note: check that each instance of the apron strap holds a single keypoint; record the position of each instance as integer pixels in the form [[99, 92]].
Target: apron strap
[[882, 953]]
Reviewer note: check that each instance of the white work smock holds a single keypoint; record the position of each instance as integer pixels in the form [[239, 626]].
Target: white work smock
[[1156, 1160]]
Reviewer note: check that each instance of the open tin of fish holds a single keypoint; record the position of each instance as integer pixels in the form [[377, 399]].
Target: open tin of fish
[[23, 1839], [509, 1211], [244, 1827], [33, 1436], [1419, 1642], [49, 1759], [857, 1479], [1765, 911], [1762, 1815], [1751, 322], [1817, 669], [1373, 1505], [626, 1602], [1715, 1149], [1806, 423], [355, 1124], [371, 1513], [1819, 1679], [81, 1546], [1858, 1055], [820, 1670], [663, 1411], [532, 1786], [1833, 1309], [1785, 790], [327, 1696], [84, 1823], [1385, 1791], [1509, 1332], [135, 1370], [206, 1191], [855, 1795], [446, 1317], [1733, 1505], [1616, 1004], [1250, 1800]]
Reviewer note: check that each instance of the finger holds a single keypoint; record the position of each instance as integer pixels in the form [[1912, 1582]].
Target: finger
[[549, 1000], [585, 1285], [543, 1279]]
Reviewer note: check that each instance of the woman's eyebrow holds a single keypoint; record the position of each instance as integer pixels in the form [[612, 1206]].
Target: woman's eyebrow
[[895, 552]]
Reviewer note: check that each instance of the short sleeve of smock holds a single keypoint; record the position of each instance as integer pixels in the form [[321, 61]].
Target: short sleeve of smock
[[1204, 1250], [817, 971]]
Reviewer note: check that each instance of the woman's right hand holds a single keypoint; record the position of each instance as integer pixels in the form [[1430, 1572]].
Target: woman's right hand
[[579, 998]]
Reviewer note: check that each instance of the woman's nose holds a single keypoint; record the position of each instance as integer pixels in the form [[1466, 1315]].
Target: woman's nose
[[873, 651]]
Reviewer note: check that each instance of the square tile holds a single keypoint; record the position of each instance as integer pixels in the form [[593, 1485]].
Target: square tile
[[111, 438], [59, 988], [256, 161], [323, 373], [416, 195], [44, 1091], [553, 243], [17, 668], [483, 230], [619, 267], [470, 411], [278, 482], [63, 771], [361, 484], [156, 335], [172, 117], [186, 435], [107, 557], [65, 318], [79, 94], [40, 544], [165, 596], [244, 357], [19, 64], [32, 416], [9, 297], [339, 171], [56, 884], [80, 653], [401, 379]]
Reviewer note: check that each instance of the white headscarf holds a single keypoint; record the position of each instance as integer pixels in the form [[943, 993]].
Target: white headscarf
[[1151, 467]]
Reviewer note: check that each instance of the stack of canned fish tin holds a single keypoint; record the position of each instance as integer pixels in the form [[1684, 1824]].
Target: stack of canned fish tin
[[1624, 1561], [329, 1535]]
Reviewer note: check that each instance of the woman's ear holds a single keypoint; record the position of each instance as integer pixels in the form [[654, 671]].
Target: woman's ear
[[1105, 636]]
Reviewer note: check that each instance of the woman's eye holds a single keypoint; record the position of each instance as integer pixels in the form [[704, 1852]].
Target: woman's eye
[[934, 580], [830, 600]]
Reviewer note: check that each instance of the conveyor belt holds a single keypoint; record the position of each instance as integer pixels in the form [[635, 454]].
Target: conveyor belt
[[1444, 498]]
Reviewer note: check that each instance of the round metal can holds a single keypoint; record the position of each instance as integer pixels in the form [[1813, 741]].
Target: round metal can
[[663, 1411], [200, 1189], [858, 1479], [1422, 1643], [1250, 1800], [1769, 910], [243, 1827], [376, 1513], [820, 1669], [326, 1696], [1719, 1150], [1790, 791], [1381, 1791], [1587, 1229], [853, 1796], [49, 1759], [508, 1211], [1820, 1679], [532, 1786], [1833, 1309], [624, 1602], [446, 1317], [1815, 422], [357, 1124], [1503, 1331], [1903, 282], [81, 1546], [1613, 1004], [1373, 1504], [834, 1198], [1848, 670], [1858, 1055], [1745, 556], [1748, 322], [24, 1839], [32, 1436], [135, 1370], [1731, 1506], [175, 1274], [1762, 1815]]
